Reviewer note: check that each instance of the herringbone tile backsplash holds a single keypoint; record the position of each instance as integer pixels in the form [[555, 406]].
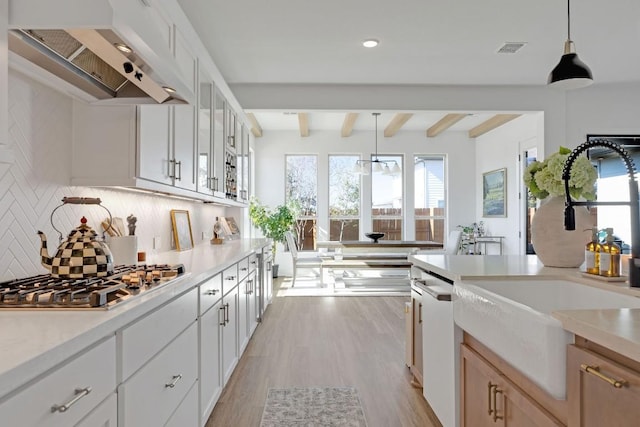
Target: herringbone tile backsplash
[[33, 185]]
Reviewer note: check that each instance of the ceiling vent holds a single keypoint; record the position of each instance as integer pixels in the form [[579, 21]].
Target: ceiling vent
[[511, 47]]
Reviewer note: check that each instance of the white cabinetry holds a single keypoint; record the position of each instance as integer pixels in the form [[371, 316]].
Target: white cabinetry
[[166, 144], [230, 328], [65, 396], [159, 357], [187, 413], [105, 415], [211, 324]]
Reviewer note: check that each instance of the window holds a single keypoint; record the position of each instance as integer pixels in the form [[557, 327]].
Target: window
[[344, 198], [429, 196], [301, 188], [386, 201]]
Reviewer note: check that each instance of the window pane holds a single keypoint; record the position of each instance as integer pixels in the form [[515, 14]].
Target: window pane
[[429, 200], [301, 187], [386, 200], [344, 198]]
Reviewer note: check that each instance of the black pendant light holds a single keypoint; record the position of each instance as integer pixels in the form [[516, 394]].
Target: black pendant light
[[571, 72]]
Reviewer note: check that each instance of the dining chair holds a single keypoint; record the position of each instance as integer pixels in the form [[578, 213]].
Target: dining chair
[[298, 261]]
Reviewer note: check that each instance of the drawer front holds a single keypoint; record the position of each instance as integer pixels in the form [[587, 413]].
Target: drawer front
[[147, 336], [229, 278], [187, 413], [243, 268], [210, 293], [153, 393], [81, 385], [253, 262]]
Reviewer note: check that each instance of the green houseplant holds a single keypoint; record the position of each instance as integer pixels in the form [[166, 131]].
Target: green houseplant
[[273, 223]]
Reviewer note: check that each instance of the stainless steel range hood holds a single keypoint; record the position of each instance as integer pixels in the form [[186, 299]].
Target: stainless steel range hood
[[95, 61]]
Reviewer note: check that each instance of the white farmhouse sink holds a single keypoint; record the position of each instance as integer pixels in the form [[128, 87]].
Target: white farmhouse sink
[[513, 318]]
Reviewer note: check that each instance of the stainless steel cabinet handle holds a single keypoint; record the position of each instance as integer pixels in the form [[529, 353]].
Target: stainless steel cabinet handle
[[211, 292], [174, 381], [230, 278], [221, 322], [226, 313], [179, 177], [244, 269], [172, 162], [79, 394], [419, 312]]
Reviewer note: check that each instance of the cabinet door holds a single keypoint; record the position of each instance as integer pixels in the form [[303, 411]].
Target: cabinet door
[[219, 133], [243, 315], [594, 397], [105, 415], [230, 334], [186, 60], [184, 146], [154, 143], [205, 133], [211, 324], [253, 303], [490, 398], [476, 395], [416, 359]]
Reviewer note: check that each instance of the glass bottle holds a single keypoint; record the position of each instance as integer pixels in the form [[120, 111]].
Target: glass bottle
[[592, 253], [610, 257], [218, 232]]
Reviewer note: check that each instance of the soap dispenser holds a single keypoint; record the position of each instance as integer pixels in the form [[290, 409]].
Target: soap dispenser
[[592, 253], [610, 257]]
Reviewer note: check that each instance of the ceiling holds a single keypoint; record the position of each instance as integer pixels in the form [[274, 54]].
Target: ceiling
[[422, 42]]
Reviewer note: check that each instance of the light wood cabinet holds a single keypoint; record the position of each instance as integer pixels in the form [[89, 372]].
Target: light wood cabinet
[[602, 391], [489, 398]]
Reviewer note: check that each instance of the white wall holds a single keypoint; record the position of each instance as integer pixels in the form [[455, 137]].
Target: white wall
[[40, 121], [460, 153], [507, 140]]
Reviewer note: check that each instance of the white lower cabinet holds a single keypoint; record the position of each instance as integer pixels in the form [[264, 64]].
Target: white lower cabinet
[[243, 314], [68, 394], [211, 324], [229, 333], [153, 393], [105, 415], [187, 413], [252, 302]]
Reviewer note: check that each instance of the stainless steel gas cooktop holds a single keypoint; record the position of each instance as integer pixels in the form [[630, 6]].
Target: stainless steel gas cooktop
[[125, 284]]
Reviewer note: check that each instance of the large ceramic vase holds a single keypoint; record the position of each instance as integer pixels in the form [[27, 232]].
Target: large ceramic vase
[[555, 246]]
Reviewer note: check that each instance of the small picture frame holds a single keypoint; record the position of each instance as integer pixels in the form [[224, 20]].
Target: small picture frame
[[494, 193], [181, 224]]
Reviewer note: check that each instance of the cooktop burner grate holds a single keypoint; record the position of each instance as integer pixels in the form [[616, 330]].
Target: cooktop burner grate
[[127, 281]]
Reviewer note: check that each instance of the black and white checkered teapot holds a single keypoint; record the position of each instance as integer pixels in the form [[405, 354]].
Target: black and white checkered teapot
[[82, 254]]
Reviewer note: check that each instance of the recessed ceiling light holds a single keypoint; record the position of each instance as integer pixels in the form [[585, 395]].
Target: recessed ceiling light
[[123, 48], [370, 43], [169, 89]]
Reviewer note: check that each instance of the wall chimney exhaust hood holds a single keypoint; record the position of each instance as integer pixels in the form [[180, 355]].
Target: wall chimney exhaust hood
[[102, 51]]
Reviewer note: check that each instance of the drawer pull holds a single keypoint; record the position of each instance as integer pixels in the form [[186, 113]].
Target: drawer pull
[[244, 269], [79, 394], [490, 389], [174, 381], [230, 278], [211, 292], [495, 392], [595, 370]]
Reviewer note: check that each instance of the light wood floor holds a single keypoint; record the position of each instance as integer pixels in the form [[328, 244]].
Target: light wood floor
[[328, 341]]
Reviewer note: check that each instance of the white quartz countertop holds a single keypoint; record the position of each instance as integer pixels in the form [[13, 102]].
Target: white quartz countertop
[[616, 329], [463, 267], [35, 341]]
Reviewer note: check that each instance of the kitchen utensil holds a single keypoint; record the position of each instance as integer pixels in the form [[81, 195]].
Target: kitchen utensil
[[118, 223], [82, 254]]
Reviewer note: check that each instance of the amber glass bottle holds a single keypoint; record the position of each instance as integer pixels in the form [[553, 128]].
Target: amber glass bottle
[[610, 257], [592, 253]]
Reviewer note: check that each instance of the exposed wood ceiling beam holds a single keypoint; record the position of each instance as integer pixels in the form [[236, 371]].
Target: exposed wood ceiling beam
[[347, 125], [396, 123], [492, 123], [256, 130], [303, 121], [444, 123]]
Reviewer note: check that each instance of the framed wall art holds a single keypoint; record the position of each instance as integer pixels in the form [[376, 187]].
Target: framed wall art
[[494, 194], [182, 235]]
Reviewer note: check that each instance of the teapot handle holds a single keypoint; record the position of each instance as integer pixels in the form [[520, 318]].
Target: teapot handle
[[79, 201]]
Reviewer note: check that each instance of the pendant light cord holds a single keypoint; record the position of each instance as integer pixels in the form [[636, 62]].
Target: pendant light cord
[[568, 19]]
